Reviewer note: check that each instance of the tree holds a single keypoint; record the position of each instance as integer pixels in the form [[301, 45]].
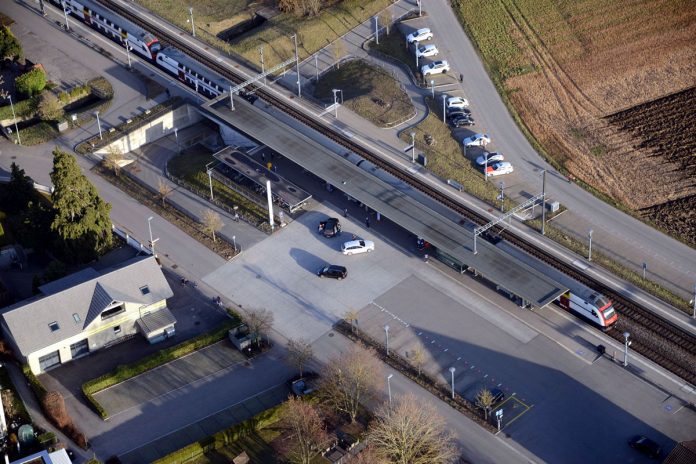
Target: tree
[[339, 51], [312, 7], [484, 400], [211, 222], [9, 45], [54, 407], [50, 108], [351, 317], [81, 216], [418, 358], [306, 433], [350, 379], [31, 82], [299, 353], [259, 321], [411, 432], [164, 190], [18, 192], [112, 159], [385, 19]]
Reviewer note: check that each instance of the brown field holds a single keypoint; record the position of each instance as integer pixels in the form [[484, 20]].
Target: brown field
[[588, 78]]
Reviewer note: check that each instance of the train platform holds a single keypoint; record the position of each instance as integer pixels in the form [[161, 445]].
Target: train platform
[[453, 241]]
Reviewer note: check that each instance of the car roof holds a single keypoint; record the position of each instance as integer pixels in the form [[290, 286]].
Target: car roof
[[335, 267], [422, 30]]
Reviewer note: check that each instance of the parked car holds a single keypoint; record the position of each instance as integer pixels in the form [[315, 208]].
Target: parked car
[[357, 246], [646, 446], [332, 271], [301, 387], [490, 158], [457, 102], [436, 67], [419, 35], [457, 112], [499, 168], [427, 50], [464, 120], [477, 140], [330, 228]]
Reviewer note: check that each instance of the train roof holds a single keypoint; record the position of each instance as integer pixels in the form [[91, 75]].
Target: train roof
[[122, 22], [190, 63]]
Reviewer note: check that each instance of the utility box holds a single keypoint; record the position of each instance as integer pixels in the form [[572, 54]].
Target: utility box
[[553, 206], [63, 126]]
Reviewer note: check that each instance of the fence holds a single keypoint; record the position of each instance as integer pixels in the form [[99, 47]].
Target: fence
[[130, 240]]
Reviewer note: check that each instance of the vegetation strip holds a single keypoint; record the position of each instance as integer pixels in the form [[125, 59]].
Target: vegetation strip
[[125, 372]]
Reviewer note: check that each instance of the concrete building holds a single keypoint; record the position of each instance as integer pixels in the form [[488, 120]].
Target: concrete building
[[89, 310]]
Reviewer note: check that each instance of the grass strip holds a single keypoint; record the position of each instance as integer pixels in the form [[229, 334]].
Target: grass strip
[[128, 371]]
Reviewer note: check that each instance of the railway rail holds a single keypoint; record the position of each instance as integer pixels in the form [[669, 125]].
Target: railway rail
[[652, 336]]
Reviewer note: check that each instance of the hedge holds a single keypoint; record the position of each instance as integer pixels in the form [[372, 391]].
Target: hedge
[[38, 388]]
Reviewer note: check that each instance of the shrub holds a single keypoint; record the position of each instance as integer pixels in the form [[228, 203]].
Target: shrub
[[54, 407], [50, 108], [31, 82], [36, 386], [9, 45], [75, 435], [47, 439]]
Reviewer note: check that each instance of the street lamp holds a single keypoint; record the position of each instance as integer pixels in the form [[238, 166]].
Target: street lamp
[[128, 48], [176, 137], [626, 345], [65, 13], [589, 252], [14, 116], [389, 388], [297, 64], [420, 12], [152, 241], [452, 369], [432, 87], [444, 111], [96, 113], [335, 93], [543, 202], [193, 26], [262, 64], [376, 30], [413, 147], [694, 312], [502, 196], [234, 242], [415, 47], [386, 332], [210, 179]]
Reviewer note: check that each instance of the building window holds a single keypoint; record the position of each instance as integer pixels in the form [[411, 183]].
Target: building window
[[144, 289], [76, 317], [112, 312], [117, 329], [54, 326]]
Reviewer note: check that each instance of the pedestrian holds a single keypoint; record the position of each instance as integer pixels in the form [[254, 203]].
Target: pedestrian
[[236, 216], [345, 212], [367, 222], [461, 77]]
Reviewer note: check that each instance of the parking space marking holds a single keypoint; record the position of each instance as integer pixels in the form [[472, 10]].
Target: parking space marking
[[517, 403]]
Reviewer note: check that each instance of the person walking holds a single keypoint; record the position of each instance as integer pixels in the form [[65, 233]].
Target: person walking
[[345, 212]]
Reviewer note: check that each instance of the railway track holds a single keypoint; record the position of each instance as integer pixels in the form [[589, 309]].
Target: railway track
[[652, 336]]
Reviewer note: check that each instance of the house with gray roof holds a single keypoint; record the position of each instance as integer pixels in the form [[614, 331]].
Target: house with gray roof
[[89, 310]]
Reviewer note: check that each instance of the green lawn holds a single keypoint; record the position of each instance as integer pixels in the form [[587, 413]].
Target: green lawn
[[367, 90], [394, 46]]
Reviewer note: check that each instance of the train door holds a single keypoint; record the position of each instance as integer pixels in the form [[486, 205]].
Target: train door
[[87, 16]]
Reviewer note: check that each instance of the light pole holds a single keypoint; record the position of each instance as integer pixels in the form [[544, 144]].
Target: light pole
[[485, 167], [297, 65], [65, 13], [389, 388], [14, 116], [645, 268], [386, 332], [413, 147], [694, 312], [262, 64], [502, 196], [452, 369], [432, 87], [335, 92], [176, 137], [96, 113], [589, 253], [193, 26], [420, 12], [234, 242], [128, 54], [316, 65], [444, 110], [626, 345], [543, 202], [152, 241], [415, 45], [376, 30], [210, 179]]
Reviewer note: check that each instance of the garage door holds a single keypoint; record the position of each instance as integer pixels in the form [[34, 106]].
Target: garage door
[[48, 361], [80, 348]]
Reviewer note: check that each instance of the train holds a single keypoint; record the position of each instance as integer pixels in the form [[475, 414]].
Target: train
[[172, 60]]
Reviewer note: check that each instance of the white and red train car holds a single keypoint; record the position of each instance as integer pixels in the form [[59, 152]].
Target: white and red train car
[[590, 305]]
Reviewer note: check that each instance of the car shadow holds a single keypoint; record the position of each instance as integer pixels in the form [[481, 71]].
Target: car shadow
[[306, 260]]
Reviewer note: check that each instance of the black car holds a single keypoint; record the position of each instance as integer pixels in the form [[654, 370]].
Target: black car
[[458, 109], [645, 446], [458, 114], [330, 228], [332, 271], [462, 121]]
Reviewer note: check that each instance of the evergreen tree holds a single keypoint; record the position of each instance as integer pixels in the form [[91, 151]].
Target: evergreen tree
[[82, 217]]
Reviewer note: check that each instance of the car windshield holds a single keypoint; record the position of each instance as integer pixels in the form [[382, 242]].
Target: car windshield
[[609, 312]]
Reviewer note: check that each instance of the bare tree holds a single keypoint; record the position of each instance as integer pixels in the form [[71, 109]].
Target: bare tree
[[418, 358], [164, 190], [306, 433], [411, 432], [259, 321], [351, 317], [339, 51], [212, 222], [368, 455], [484, 400], [385, 19], [350, 379], [312, 7], [112, 159], [299, 353]]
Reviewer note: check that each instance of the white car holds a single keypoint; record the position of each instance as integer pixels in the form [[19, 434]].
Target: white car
[[427, 50], [357, 246], [436, 67], [477, 140], [457, 102], [419, 35], [499, 168], [489, 158]]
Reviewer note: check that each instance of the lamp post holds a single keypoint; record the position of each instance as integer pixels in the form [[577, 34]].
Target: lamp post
[[96, 113], [389, 388], [420, 12], [193, 26], [297, 65], [65, 13], [626, 345], [128, 54], [444, 110], [176, 137], [376, 30], [502, 196], [14, 116], [335, 93], [210, 179], [432, 87], [262, 64], [543, 202], [485, 167], [316, 65], [386, 332], [452, 369], [645, 268], [152, 241], [693, 314], [413, 147], [415, 46], [589, 252], [234, 242]]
